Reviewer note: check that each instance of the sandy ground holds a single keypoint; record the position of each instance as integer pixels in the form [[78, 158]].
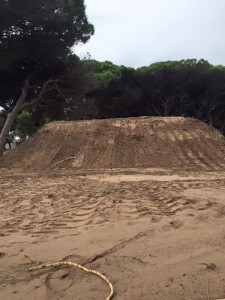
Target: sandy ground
[[144, 142], [156, 234]]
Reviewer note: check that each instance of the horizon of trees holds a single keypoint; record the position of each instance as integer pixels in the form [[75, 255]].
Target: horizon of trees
[[41, 80], [190, 88]]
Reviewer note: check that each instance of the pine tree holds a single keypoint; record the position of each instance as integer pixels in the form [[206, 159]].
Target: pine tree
[[36, 62]]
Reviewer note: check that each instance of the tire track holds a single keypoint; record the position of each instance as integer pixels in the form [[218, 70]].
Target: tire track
[[68, 202]]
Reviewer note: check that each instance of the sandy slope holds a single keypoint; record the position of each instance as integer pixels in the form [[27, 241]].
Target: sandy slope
[[141, 200], [145, 142], [155, 234]]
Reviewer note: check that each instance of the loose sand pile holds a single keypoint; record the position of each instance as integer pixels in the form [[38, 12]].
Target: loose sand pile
[[143, 142], [135, 203]]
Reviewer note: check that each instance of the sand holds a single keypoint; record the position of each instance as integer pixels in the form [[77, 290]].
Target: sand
[[155, 232], [145, 142]]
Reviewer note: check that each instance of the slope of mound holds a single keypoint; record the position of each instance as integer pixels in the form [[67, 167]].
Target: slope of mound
[[144, 142]]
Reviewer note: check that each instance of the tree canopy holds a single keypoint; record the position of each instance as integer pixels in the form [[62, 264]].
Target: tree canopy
[[41, 80], [34, 32], [36, 63], [191, 87]]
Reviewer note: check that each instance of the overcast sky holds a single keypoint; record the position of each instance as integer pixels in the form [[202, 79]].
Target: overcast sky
[[136, 33]]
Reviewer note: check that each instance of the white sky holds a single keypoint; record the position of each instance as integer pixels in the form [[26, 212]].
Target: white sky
[[136, 33]]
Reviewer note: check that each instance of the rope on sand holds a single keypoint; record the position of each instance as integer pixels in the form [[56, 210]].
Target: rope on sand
[[67, 263]]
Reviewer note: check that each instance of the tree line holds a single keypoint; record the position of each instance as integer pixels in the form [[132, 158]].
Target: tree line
[[41, 80], [190, 88]]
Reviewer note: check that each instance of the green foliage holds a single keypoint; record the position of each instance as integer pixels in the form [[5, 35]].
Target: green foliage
[[36, 63], [189, 87], [39, 30], [25, 125], [106, 72], [36, 39]]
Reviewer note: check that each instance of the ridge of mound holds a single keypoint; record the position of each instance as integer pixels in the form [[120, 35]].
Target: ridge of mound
[[143, 142]]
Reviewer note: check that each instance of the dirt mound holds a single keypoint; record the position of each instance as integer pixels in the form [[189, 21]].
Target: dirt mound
[[144, 142]]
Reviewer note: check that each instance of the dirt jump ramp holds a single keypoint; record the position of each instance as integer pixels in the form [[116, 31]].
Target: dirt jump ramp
[[143, 142]]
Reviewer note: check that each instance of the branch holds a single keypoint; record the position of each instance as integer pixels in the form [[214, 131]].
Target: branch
[[221, 94], [45, 88], [24, 92]]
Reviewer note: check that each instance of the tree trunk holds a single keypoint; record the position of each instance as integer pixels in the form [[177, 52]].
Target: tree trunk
[[13, 115], [166, 106], [22, 104], [8, 125]]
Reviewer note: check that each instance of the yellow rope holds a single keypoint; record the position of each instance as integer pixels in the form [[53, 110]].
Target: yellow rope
[[67, 263]]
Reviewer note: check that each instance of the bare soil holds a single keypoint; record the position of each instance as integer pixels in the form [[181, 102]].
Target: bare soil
[[145, 142], [141, 201]]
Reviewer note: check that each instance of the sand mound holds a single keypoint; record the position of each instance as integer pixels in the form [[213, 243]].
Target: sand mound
[[114, 221], [144, 142]]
